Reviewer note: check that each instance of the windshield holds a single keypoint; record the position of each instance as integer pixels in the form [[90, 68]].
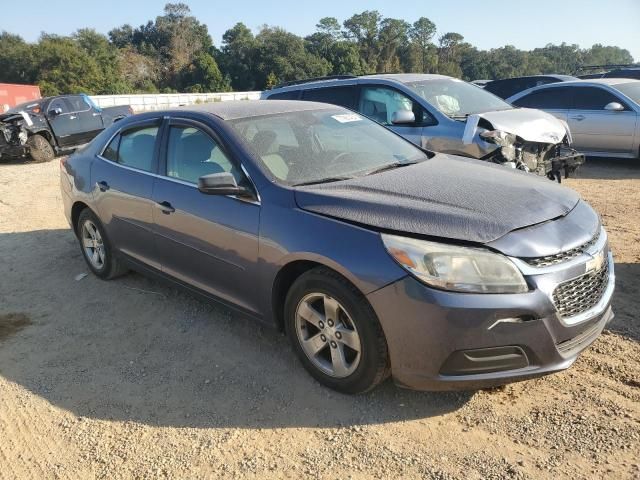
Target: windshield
[[324, 145], [30, 107], [631, 90], [456, 98]]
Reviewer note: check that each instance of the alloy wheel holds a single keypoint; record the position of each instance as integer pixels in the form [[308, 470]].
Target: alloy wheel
[[328, 335], [92, 244]]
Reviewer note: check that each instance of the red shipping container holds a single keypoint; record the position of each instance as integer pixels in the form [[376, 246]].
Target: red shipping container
[[13, 94]]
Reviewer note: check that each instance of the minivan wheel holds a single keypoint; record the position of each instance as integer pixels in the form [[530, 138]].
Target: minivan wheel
[[96, 248], [335, 332]]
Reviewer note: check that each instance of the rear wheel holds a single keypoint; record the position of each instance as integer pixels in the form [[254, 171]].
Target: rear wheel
[[335, 332], [96, 249], [40, 148]]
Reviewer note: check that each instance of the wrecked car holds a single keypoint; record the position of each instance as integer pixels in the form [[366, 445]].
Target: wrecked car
[[316, 220], [51, 126], [447, 115]]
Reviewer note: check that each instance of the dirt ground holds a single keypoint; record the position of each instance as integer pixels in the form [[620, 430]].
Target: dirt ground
[[134, 379]]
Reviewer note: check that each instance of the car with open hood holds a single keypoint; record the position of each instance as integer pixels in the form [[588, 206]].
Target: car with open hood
[[448, 115], [375, 256]]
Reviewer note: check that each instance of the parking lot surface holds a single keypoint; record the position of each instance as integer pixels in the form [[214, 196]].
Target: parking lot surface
[[135, 379]]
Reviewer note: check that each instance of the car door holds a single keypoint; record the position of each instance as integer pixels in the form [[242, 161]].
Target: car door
[[597, 130], [380, 103], [553, 100], [207, 241], [89, 121], [63, 124], [122, 177]]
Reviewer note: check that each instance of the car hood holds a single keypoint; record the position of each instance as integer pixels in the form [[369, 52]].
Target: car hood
[[527, 123], [445, 197]]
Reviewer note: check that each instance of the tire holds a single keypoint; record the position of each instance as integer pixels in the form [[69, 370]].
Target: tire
[[352, 355], [40, 149], [97, 251]]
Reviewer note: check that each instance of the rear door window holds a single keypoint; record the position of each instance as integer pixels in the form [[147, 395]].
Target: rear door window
[[548, 98], [342, 96], [134, 148]]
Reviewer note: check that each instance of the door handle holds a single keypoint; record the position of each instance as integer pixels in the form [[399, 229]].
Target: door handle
[[95, 114], [72, 117], [103, 186], [578, 117], [165, 207]]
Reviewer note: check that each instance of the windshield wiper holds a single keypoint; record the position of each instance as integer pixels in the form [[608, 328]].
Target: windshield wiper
[[390, 166], [322, 180]]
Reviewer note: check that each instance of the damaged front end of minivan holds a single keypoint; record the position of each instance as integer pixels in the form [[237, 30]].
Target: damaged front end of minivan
[[523, 139]]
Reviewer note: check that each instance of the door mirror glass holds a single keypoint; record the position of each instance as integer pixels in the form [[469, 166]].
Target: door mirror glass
[[54, 112], [403, 117], [614, 107], [220, 184]]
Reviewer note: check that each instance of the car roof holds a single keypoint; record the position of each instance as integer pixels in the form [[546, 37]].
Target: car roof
[[231, 110], [393, 77], [595, 81], [551, 75]]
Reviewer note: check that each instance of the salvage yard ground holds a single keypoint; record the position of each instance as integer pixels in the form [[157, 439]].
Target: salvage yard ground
[[135, 379]]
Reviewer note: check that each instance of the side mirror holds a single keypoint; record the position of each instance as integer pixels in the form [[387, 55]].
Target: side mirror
[[220, 184], [614, 107], [403, 117], [55, 112]]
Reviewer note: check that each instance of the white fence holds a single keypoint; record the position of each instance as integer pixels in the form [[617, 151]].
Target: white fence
[[147, 102]]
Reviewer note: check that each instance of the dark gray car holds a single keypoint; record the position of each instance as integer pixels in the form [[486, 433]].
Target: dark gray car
[[373, 255]]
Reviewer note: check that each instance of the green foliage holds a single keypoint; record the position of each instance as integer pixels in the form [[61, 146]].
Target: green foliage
[[175, 53]]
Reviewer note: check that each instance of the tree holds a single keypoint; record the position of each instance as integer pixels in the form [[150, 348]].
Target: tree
[[237, 57], [449, 54], [282, 55], [17, 63], [421, 33], [393, 38], [364, 29], [203, 75]]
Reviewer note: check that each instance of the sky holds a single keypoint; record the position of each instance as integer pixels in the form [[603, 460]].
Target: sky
[[484, 23]]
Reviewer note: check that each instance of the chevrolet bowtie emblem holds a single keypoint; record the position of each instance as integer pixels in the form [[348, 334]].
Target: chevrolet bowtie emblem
[[596, 262]]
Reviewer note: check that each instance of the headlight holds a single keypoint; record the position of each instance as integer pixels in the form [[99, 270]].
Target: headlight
[[460, 269]]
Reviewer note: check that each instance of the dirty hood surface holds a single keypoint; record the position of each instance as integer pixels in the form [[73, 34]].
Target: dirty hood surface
[[527, 123], [446, 197]]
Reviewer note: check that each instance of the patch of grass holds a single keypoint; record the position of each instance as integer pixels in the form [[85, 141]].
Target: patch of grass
[[11, 323]]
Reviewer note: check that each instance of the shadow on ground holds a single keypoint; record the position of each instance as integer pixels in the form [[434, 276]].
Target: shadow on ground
[[139, 350], [610, 169]]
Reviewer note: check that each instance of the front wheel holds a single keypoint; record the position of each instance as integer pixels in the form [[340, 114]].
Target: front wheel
[[335, 332], [40, 148]]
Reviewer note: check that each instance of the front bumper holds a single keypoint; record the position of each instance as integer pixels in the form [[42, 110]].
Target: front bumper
[[451, 341]]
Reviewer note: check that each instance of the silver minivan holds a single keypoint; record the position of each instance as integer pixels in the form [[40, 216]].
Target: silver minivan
[[447, 115]]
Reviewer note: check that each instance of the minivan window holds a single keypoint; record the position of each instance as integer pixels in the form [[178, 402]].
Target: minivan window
[[133, 148], [290, 95], [548, 98], [342, 96], [380, 103], [592, 98], [330, 144], [456, 98], [191, 154]]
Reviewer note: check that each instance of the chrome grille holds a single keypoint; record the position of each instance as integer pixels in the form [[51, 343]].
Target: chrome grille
[[580, 294], [549, 260]]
